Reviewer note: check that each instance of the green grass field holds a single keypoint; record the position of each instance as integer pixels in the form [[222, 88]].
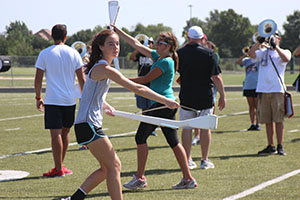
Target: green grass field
[[233, 151]]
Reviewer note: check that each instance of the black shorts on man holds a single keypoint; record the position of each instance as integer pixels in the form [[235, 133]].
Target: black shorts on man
[[58, 117]]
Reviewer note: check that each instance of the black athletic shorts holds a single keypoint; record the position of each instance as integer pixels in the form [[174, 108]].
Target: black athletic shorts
[[87, 133], [249, 93], [57, 117]]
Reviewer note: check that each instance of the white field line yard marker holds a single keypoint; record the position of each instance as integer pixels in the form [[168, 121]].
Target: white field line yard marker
[[263, 185], [21, 117], [233, 114], [294, 131], [49, 149], [12, 129]]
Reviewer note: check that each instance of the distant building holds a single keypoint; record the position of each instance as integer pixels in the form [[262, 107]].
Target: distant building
[[45, 34]]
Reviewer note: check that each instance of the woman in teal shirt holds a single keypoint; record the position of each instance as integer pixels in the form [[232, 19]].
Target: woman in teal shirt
[[165, 61]]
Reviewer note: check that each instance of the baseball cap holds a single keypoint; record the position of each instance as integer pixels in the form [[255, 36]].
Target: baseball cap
[[151, 40], [195, 32], [277, 33]]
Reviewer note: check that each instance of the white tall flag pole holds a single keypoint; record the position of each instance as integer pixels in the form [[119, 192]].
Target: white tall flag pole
[[113, 10]]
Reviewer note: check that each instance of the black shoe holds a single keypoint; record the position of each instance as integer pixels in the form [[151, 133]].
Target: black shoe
[[280, 150], [251, 128], [257, 127], [268, 151]]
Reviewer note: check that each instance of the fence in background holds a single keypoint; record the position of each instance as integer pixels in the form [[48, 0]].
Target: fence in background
[[226, 64]]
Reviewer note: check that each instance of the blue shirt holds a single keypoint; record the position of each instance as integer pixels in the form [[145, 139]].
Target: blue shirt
[[163, 84], [251, 69]]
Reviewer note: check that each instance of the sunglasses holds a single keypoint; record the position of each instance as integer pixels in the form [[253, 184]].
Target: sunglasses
[[161, 42]]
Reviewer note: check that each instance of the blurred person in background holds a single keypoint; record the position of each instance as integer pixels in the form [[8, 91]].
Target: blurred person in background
[[249, 86], [144, 66]]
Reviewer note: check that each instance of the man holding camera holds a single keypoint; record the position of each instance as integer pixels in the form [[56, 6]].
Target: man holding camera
[[271, 91]]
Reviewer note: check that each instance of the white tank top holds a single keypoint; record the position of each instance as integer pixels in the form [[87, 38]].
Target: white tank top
[[93, 95]]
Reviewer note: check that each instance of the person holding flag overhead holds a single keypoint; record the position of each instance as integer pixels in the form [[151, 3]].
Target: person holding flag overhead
[[161, 75]]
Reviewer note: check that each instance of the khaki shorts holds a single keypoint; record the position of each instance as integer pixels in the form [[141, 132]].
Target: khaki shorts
[[189, 114], [270, 107]]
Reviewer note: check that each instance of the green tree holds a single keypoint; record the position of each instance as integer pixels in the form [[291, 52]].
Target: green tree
[[98, 29], [38, 44], [3, 45], [150, 30], [227, 29], [19, 39], [84, 36], [231, 32], [291, 37]]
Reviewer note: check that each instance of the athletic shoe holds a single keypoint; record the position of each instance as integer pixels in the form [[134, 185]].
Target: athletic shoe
[[192, 164], [268, 151], [257, 127], [66, 171], [196, 141], [68, 198], [83, 147], [280, 150], [54, 173], [252, 128], [186, 184], [136, 183], [206, 164]]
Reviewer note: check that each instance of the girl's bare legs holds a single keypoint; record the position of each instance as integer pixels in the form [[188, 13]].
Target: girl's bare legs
[[110, 169], [182, 161]]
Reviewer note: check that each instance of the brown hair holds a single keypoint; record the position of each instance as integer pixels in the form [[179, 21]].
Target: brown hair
[[96, 53], [59, 32], [171, 39]]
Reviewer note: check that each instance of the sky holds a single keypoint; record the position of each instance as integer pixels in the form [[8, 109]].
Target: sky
[[86, 14]]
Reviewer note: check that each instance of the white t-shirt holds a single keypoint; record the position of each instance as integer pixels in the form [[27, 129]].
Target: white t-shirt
[[268, 80], [59, 63]]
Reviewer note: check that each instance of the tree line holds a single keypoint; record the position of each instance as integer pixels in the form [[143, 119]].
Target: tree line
[[229, 30]]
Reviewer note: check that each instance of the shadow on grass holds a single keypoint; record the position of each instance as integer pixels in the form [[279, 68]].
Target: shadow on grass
[[149, 148], [295, 140], [152, 172], [43, 197], [106, 194], [230, 131], [231, 156]]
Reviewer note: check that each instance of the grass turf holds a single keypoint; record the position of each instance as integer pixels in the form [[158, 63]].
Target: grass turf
[[233, 151]]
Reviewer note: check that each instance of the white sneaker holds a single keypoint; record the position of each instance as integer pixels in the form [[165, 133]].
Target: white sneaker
[[68, 198], [192, 164], [136, 183], [186, 184], [196, 141], [206, 164]]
